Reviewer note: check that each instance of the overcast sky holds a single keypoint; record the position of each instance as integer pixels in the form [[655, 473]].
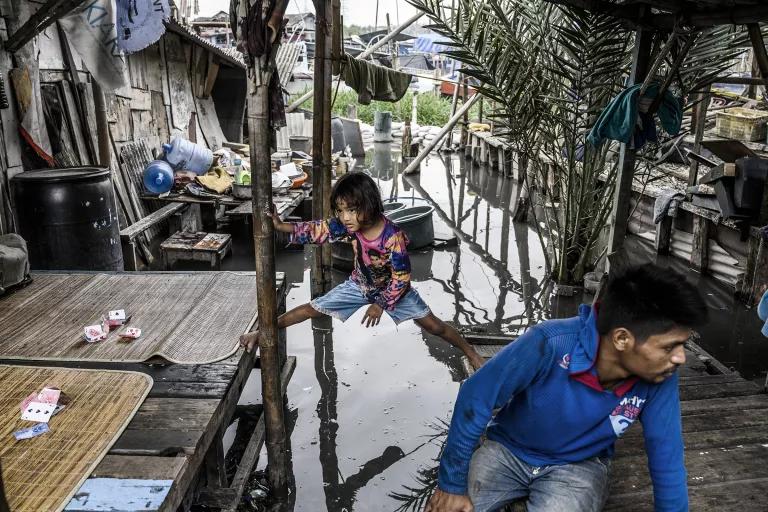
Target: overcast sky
[[355, 12]]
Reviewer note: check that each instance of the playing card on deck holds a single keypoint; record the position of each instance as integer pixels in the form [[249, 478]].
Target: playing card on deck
[[116, 317], [49, 396], [33, 431], [131, 333], [39, 412], [94, 333]]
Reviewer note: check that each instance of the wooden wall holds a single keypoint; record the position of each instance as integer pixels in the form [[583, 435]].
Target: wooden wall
[[171, 92]]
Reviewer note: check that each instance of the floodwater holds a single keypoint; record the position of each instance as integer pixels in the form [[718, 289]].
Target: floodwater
[[367, 407]]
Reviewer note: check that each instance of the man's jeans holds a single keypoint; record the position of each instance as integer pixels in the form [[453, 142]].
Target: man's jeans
[[497, 477]]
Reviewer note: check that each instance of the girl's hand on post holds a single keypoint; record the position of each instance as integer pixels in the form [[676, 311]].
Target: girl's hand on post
[[372, 315], [279, 225]]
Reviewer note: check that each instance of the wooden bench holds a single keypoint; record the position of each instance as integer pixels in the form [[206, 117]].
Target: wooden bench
[[199, 246], [129, 235]]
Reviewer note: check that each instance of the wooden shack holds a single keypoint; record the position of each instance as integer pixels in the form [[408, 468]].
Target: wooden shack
[[180, 85]]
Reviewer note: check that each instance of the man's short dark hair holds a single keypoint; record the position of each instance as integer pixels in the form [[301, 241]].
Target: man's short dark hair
[[360, 192], [649, 300]]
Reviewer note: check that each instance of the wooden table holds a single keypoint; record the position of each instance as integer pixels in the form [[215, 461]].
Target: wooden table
[[173, 446], [210, 247], [285, 204]]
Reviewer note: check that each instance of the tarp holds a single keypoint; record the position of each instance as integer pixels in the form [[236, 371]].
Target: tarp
[[429, 43], [92, 30], [140, 23]]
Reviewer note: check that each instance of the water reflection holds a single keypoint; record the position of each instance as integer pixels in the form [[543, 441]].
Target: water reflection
[[340, 492]]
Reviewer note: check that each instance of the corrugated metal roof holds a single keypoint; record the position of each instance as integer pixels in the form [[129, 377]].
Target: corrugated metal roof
[[231, 55]]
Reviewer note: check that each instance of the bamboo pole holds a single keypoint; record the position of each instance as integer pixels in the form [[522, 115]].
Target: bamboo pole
[[414, 165], [321, 140], [367, 53], [264, 246]]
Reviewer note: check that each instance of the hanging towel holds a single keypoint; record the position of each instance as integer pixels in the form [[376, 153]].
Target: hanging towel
[[622, 121], [762, 313], [374, 82]]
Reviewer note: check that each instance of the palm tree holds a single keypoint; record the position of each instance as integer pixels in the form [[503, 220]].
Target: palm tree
[[551, 70]]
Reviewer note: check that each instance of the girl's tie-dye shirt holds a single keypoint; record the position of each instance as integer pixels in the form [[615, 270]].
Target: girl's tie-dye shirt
[[382, 267]]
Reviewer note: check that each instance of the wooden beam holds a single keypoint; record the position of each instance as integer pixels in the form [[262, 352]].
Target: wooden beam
[[699, 122], [42, 18], [210, 78], [700, 252], [758, 45], [620, 213]]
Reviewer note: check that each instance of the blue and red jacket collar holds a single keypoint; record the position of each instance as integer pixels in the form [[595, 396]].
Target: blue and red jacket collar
[[584, 355]]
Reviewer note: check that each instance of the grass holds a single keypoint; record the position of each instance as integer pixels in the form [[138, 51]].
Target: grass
[[433, 110]]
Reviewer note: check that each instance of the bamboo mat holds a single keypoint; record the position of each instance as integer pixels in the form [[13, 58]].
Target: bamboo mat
[[44, 473], [185, 318]]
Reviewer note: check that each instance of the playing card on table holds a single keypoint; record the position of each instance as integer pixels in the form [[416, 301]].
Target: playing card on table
[[49, 396], [131, 333], [39, 412], [94, 333], [33, 431]]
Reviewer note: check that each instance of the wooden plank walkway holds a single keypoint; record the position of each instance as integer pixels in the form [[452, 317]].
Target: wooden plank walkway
[[173, 446], [725, 431]]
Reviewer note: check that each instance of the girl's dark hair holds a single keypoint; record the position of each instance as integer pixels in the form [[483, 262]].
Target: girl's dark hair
[[360, 192], [649, 300]]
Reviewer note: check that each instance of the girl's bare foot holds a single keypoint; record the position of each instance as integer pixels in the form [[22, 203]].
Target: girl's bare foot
[[249, 340], [476, 361]]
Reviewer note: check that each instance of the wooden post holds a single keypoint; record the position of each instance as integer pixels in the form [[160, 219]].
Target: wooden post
[[699, 123], [414, 165], [663, 235], [259, 74], [619, 215], [454, 103], [321, 137], [465, 121], [700, 252], [102, 126], [758, 45]]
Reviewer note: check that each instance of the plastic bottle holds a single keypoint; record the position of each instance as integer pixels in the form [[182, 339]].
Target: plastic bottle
[[158, 177], [186, 155]]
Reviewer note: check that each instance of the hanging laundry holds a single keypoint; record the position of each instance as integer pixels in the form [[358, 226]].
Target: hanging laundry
[[92, 30], [622, 119], [762, 313], [140, 23], [666, 204], [374, 82]]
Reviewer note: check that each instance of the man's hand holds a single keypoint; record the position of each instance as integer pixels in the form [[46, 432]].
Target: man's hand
[[442, 501], [372, 315]]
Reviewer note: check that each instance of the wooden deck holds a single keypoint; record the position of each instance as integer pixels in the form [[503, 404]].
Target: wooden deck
[[725, 430], [172, 450]]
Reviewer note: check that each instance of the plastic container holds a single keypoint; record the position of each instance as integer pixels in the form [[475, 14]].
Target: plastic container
[[392, 207], [416, 221], [68, 219], [158, 177], [742, 124], [186, 155], [382, 127]]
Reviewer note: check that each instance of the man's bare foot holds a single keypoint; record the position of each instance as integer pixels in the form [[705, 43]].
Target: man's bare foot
[[249, 340]]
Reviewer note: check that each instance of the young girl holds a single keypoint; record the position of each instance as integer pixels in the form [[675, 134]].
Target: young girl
[[381, 279]]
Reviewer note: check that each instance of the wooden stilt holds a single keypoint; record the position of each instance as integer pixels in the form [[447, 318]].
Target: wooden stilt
[[260, 73], [700, 252], [620, 213]]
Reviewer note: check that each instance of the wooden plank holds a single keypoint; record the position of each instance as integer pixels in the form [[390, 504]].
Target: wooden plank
[[159, 118], [142, 99], [209, 123], [488, 351], [700, 252], [159, 443], [182, 414], [119, 109], [153, 218], [733, 389], [137, 466], [181, 98], [189, 390], [110, 494], [210, 77], [746, 496]]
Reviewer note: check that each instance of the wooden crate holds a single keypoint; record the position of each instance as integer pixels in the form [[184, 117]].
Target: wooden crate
[[742, 124]]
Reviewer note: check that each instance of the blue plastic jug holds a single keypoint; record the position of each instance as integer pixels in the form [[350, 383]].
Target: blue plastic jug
[[185, 155], [158, 177]]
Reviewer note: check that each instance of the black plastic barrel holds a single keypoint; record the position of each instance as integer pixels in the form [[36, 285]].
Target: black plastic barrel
[[68, 218]]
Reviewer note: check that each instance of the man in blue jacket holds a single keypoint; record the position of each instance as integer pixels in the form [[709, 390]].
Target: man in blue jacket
[[565, 391]]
